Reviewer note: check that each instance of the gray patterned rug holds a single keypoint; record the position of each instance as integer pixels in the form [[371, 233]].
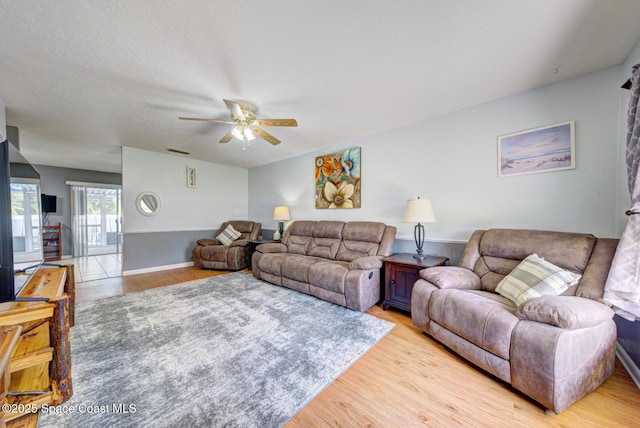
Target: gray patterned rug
[[229, 351]]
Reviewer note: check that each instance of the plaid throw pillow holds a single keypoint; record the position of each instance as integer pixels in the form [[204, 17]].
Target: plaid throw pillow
[[228, 235], [535, 277]]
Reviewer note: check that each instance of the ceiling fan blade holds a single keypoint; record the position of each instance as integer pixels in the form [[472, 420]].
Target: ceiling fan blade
[[266, 136], [275, 122], [207, 120], [227, 137], [235, 109]]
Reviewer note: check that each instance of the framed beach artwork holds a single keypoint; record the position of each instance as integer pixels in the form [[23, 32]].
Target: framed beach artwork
[[338, 179], [544, 149]]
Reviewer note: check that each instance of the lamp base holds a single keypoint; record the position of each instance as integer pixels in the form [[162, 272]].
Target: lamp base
[[418, 233]]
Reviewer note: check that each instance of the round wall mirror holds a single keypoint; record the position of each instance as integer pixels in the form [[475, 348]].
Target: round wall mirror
[[148, 203]]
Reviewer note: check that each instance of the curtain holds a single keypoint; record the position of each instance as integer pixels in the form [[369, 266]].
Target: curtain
[[79, 221], [622, 289]]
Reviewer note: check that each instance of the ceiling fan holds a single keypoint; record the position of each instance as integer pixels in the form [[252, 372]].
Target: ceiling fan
[[247, 125]]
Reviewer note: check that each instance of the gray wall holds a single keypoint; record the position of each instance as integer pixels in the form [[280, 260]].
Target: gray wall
[[148, 250], [52, 182]]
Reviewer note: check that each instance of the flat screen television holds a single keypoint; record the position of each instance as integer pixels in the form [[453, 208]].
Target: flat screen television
[[48, 203], [20, 221]]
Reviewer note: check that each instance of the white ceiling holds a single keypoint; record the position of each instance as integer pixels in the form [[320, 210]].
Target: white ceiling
[[80, 79]]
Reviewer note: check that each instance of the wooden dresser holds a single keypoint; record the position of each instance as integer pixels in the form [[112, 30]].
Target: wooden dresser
[[38, 369]]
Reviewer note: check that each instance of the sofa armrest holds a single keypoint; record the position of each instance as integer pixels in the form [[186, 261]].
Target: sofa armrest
[[239, 243], [272, 247], [568, 312], [366, 263], [208, 241], [451, 277]]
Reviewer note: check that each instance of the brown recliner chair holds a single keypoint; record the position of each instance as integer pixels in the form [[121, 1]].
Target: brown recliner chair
[[210, 253], [554, 348]]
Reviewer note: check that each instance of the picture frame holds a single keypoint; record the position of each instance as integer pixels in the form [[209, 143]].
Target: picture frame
[[544, 149], [338, 179], [192, 177]]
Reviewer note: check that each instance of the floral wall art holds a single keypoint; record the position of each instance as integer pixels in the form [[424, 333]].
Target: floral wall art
[[338, 179]]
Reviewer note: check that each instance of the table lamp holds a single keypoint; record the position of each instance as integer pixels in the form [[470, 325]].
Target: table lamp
[[419, 211], [280, 213]]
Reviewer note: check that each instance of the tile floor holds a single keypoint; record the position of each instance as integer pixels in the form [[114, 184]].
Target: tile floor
[[97, 267]]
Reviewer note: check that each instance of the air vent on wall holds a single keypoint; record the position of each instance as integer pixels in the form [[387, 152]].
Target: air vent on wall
[[180, 152]]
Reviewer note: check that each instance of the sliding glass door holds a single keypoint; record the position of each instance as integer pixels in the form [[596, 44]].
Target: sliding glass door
[[103, 220], [96, 219]]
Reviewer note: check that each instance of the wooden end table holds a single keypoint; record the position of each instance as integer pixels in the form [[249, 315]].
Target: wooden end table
[[253, 243], [401, 271]]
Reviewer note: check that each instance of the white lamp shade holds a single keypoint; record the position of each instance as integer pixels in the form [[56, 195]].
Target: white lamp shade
[[419, 211], [281, 213]]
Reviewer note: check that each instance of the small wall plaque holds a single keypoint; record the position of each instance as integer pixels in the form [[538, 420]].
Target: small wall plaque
[[192, 177]]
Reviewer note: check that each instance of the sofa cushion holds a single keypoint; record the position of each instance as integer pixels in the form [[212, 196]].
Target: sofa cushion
[[245, 228], [228, 235], [324, 247], [329, 275], [516, 244], [271, 263], [565, 311], [297, 267], [298, 236], [482, 318], [492, 270], [298, 244], [351, 250], [535, 277], [366, 231], [328, 229], [214, 253], [360, 239]]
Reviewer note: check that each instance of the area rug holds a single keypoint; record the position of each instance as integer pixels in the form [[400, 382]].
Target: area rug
[[229, 351]]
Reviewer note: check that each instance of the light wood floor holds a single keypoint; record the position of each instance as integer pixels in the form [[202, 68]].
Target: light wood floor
[[407, 380]]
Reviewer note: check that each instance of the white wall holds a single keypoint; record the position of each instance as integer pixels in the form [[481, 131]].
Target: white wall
[[452, 160], [222, 192]]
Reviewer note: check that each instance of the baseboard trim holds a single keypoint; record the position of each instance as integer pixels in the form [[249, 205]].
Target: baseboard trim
[[156, 269], [628, 364]]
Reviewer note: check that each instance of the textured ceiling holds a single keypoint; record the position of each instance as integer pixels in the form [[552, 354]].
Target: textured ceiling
[[80, 79]]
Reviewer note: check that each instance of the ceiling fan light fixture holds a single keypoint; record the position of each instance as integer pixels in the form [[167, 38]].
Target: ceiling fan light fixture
[[237, 133], [247, 127], [248, 134]]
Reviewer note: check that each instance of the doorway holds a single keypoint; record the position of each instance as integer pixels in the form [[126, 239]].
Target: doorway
[[96, 229], [104, 231]]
